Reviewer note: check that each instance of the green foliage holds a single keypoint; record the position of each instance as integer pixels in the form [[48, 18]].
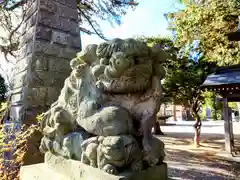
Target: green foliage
[[216, 106], [39, 117], [184, 76], [188, 1], [211, 102], [183, 83], [172, 61], [166, 44], [209, 98], [233, 106], [207, 23]]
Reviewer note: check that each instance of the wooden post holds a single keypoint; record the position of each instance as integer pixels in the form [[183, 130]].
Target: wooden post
[[174, 112], [231, 128], [164, 109], [227, 127]]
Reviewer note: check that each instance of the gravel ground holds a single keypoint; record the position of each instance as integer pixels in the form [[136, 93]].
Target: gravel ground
[[186, 162]]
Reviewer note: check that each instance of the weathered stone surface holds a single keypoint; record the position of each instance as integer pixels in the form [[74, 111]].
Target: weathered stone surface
[[69, 3], [73, 170], [59, 65], [43, 33], [39, 62], [60, 38], [64, 24], [52, 95], [41, 57], [30, 114], [47, 48], [67, 25], [45, 63], [40, 79], [47, 18], [39, 172], [54, 50], [67, 12], [75, 29], [47, 78], [67, 53], [49, 6], [37, 96], [110, 96], [75, 42]]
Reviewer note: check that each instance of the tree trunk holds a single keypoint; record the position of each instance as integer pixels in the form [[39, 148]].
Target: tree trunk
[[156, 129], [197, 126]]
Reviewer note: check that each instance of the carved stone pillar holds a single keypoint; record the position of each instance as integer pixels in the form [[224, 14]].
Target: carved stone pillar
[[50, 39]]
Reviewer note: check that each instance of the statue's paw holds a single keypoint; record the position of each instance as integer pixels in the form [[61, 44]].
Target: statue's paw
[[110, 169], [66, 154], [138, 166], [151, 159], [93, 164], [147, 147], [100, 85]]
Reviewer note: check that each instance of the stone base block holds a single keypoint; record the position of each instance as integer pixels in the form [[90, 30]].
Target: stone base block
[[61, 169], [39, 172]]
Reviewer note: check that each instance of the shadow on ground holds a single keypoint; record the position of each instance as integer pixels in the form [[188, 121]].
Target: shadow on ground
[[186, 162]]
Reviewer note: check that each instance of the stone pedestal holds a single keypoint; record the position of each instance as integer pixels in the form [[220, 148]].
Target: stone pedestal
[[50, 39], [56, 167]]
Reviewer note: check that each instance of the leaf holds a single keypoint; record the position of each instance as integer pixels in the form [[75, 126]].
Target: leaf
[[208, 22]]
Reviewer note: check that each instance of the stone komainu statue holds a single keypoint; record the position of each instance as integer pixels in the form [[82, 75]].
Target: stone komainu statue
[[106, 109]]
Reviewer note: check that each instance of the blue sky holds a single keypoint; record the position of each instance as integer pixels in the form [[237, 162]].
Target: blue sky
[[147, 19]]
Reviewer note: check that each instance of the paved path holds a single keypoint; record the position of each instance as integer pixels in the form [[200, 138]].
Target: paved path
[[212, 127], [186, 162]]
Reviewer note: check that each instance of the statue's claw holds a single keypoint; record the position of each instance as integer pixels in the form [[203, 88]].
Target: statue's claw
[[151, 159], [110, 169]]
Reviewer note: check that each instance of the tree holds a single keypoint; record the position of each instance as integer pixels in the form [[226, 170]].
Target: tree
[[10, 23], [167, 44], [109, 10], [183, 79], [171, 51], [12, 14], [183, 86], [203, 26]]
